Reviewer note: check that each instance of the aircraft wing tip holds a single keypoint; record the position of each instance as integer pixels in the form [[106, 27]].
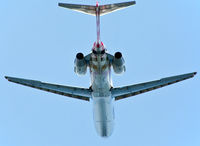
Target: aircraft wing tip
[[6, 77], [193, 74], [11, 79], [59, 4]]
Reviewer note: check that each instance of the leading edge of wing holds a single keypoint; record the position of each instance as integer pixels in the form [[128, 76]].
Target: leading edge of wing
[[74, 92], [132, 90]]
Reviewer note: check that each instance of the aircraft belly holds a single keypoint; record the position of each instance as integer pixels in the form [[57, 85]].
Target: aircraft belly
[[103, 111], [100, 76], [104, 129], [103, 115]]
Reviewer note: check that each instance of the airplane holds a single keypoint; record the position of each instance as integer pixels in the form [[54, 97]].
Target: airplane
[[101, 92]]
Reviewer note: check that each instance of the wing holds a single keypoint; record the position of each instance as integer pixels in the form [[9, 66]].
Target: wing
[[127, 91], [74, 92]]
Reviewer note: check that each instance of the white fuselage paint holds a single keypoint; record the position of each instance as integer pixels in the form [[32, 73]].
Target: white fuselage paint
[[102, 99]]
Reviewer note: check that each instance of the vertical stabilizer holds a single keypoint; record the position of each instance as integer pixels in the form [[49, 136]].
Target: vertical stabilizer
[[98, 21]]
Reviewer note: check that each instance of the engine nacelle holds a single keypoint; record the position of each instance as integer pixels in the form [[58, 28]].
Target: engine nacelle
[[80, 66], [118, 63]]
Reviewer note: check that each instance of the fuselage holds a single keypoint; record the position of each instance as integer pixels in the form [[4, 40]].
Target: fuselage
[[103, 110], [101, 83]]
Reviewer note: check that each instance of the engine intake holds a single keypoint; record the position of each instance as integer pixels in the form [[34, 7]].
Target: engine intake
[[79, 56], [118, 63], [118, 55], [80, 66]]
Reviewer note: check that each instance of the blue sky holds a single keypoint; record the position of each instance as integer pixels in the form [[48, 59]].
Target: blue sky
[[39, 40]]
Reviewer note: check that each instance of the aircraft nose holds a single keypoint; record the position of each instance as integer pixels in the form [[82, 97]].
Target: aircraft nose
[[104, 128]]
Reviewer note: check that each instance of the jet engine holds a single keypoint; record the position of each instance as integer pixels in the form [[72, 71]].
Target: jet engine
[[118, 63], [80, 66]]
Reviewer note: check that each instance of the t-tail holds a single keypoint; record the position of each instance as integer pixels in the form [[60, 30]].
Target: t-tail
[[97, 10]]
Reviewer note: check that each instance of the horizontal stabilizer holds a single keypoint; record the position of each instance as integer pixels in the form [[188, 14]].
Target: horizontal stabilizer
[[132, 90], [74, 92], [91, 10], [87, 9], [105, 9]]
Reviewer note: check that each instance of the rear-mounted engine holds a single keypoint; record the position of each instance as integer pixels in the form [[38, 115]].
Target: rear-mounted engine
[[80, 66], [118, 63]]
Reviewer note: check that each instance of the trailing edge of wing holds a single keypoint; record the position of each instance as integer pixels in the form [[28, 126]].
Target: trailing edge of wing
[[74, 92], [132, 90], [91, 10]]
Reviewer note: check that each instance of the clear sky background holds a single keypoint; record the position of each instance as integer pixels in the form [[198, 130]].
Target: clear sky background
[[39, 40]]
